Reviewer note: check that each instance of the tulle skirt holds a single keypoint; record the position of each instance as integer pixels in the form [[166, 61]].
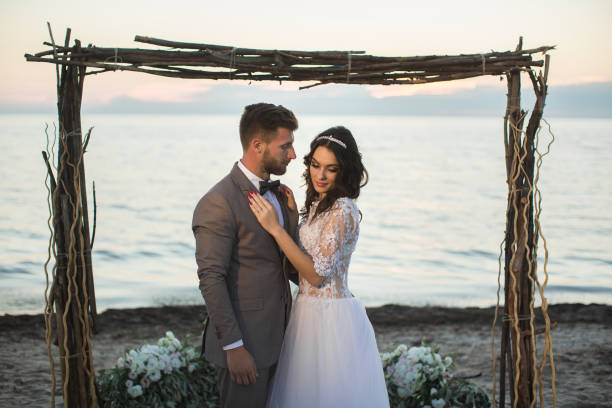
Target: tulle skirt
[[329, 358]]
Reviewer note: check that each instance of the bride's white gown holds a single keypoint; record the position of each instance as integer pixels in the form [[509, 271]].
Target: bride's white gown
[[329, 356]]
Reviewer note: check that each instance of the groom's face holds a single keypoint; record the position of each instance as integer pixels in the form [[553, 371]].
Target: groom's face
[[279, 152]]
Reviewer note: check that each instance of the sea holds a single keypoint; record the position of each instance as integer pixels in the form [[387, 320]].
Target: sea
[[433, 210]]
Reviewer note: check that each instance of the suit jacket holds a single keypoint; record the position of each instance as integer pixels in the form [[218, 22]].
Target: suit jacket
[[243, 276]]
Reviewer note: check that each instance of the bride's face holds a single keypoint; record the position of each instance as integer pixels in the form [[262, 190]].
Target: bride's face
[[324, 168]]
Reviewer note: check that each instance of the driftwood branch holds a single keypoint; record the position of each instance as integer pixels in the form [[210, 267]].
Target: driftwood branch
[[95, 217], [210, 61], [237, 51], [87, 137], [539, 331], [49, 171]]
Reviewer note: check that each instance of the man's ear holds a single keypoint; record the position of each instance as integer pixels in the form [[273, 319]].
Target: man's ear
[[257, 145]]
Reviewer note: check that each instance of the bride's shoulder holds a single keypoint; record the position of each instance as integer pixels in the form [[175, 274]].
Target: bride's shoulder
[[345, 205]]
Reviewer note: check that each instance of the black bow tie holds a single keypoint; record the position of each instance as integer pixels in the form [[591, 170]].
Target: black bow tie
[[268, 186]]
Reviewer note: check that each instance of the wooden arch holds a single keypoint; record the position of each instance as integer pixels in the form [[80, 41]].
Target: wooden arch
[[71, 297]]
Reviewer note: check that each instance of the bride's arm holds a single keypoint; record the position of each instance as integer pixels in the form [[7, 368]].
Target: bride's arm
[[267, 217]]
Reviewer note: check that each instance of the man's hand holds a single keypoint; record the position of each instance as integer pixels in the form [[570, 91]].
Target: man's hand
[[241, 366]]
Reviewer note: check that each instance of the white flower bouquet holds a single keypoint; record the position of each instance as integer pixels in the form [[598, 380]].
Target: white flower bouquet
[[420, 377], [171, 374], [166, 374]]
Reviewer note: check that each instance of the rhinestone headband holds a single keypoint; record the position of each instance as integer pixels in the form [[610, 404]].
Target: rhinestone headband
[[333, 139]]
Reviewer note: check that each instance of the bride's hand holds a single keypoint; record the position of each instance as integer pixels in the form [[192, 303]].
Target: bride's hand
[[264, 212], [291, 207], [290, 198]]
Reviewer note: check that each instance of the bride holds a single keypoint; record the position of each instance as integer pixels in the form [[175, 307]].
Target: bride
[[329, 356]]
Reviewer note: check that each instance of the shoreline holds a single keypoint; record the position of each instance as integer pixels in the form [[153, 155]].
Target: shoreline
[[389, 315], [581, 346]]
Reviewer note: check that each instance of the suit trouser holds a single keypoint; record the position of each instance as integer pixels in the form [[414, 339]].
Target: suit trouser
[[234, 395]]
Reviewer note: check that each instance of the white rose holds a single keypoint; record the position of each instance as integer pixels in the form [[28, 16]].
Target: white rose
[[137, 367], [402, 392], [155, 376], [438, 403], [190, 354], [176, 363], [135, 391], [152, 363]]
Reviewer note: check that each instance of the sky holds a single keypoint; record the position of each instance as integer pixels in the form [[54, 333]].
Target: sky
[[580, 30]]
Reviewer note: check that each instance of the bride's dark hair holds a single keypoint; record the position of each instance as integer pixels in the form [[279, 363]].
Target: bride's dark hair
[[351, 176]]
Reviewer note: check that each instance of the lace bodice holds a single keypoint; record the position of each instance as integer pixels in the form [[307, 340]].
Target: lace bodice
[[330, 240]]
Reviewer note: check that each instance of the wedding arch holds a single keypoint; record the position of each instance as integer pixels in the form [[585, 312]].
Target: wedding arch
[[70, 296]]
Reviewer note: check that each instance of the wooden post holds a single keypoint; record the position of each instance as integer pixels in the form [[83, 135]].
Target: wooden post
[[73, 289], [512, 122], [517, 357]]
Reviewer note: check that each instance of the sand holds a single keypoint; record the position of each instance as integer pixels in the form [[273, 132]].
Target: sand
[[581, 345]]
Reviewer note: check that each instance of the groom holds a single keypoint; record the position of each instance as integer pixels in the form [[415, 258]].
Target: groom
[[243, 274]]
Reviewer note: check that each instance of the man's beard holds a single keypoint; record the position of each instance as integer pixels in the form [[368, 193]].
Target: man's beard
[[273, 166]]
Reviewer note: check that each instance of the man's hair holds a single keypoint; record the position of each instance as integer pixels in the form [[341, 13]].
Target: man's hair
[[264, 119]]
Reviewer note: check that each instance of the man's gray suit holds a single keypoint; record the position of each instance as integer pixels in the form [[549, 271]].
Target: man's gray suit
[[241, 273]]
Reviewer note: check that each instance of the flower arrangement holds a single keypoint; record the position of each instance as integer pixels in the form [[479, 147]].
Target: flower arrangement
[[420, 377], [166, 374], [171, 374]]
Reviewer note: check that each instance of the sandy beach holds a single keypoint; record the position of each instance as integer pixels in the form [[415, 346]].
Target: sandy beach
[[582, 350]]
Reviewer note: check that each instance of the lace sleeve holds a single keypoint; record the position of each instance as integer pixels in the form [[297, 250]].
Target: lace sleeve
[[340, 225]]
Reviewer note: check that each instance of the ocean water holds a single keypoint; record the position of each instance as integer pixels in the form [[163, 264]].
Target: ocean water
[[433, 211]]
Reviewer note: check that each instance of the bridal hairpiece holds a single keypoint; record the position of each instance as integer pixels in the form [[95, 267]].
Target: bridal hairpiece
[[333, 139]]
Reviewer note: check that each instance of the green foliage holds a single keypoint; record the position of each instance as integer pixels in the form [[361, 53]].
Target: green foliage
[[168, 374], [420, 377]]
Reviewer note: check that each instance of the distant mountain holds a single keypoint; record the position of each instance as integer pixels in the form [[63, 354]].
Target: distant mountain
[[591, 100]]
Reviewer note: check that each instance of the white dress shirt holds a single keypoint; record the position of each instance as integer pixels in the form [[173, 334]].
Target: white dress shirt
[[269, 195], [272, 199]]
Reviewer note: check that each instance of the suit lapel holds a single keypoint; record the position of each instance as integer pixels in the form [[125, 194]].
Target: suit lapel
[[245, 186], [241, 180], [286, 286], [282, 200]]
